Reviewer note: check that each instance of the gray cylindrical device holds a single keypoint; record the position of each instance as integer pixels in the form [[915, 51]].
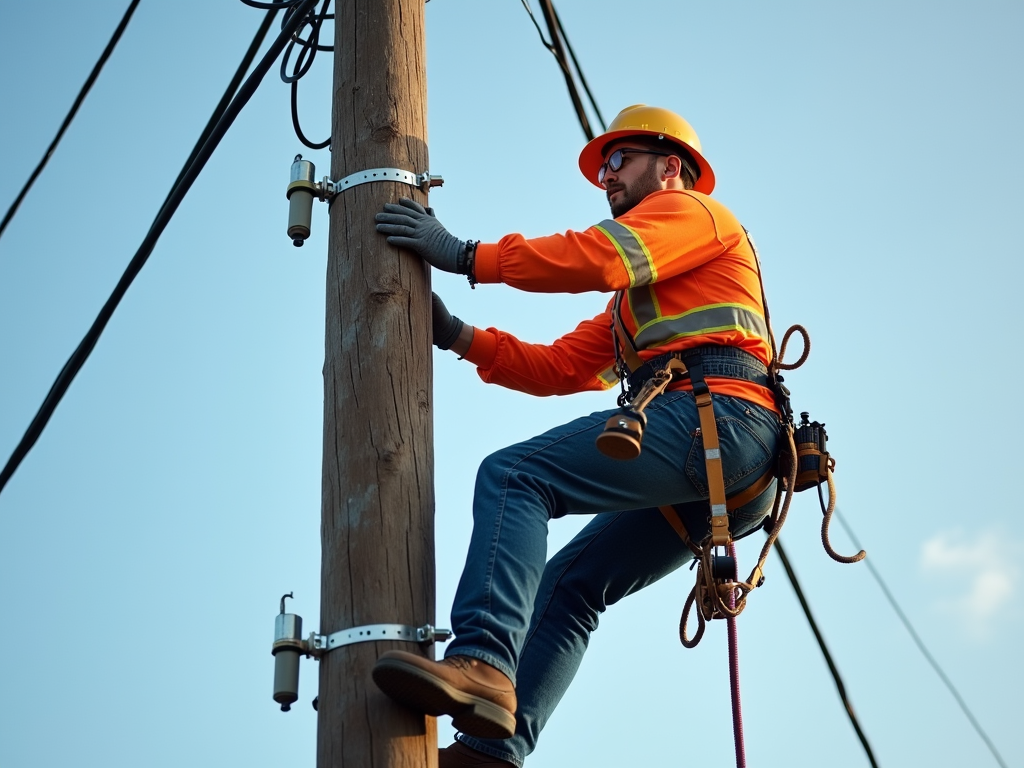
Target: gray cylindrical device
[[301, 191], [287, 651]]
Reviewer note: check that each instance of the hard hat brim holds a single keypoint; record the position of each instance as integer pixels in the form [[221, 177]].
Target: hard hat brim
[[592, 157]]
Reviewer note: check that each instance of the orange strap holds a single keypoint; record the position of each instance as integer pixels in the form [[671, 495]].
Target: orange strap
[[720, 536], [733, 502], [629, 352]]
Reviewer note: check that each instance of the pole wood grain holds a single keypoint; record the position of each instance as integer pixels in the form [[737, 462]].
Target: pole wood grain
[[378, 471]]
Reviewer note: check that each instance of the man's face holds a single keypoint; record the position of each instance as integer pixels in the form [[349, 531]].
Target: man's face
[[638, 177]]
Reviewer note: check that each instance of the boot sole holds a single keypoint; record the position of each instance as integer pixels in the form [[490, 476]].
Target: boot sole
[[430, 695]]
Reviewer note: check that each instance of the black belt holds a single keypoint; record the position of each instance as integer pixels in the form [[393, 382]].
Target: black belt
[[715, 361]]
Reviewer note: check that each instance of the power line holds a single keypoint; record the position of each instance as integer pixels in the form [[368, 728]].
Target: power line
[[297, 13], [557, 34], [71, 114], [556, 48], [579, 71], [921, 646], [825, 652], [225, 99]]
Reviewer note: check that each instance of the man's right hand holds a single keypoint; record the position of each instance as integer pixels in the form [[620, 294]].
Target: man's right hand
[[447, 327], [409, 225]]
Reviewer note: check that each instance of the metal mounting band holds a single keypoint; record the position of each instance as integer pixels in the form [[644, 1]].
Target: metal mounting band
[[369, 633], [422, 181]]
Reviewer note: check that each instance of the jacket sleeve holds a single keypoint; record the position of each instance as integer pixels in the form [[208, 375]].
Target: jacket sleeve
[[582, 360], [669, 233]]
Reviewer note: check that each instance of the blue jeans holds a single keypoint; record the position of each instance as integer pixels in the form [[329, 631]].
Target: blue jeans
[[533, 620]]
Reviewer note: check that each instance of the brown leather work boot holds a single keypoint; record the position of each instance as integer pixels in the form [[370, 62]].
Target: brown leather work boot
[[479, 698], [458, 755]]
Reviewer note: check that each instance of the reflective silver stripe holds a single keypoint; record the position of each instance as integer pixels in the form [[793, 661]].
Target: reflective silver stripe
[[609, 376], [712, 453], [703, 320], [644, 305], [719, 509], [632, 251]]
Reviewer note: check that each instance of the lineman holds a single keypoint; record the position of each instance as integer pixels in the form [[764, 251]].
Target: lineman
[[683, 276]]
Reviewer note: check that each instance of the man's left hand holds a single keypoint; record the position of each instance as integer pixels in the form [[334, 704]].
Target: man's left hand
[[409, 225]]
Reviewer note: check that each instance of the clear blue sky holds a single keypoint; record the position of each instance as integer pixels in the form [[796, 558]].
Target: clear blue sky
[[874, 150]]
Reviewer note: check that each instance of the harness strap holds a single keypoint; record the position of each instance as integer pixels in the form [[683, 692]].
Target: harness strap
[[720, 536], [626, 345], [736, 501]]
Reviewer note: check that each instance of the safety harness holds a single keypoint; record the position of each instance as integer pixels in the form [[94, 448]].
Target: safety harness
[[803, 463]]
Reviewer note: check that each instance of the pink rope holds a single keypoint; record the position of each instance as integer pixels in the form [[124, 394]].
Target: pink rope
[[734, 678]]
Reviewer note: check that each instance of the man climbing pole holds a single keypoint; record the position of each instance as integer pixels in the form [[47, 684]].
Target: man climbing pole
[[685, 285]]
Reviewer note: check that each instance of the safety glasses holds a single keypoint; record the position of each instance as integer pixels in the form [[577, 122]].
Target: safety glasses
[[615, 160]]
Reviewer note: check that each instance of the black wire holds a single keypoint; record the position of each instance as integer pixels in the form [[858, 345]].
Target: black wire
[[271, 6], [302, 65], [307, 47], [579, 72], [229, 93], [824, 650], [556, 47], [543, 40], [71, 114], [921, 646], [298, 127], [163, 218], [574, 94], [326, 48]]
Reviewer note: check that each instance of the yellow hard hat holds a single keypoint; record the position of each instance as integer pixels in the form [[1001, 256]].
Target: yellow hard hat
[[641, 120]]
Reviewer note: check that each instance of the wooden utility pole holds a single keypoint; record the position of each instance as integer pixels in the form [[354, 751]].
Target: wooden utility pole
[[378, 470]]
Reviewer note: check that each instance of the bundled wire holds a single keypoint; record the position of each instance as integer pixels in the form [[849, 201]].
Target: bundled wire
[[71, 114], [299, 11], [557, 34]]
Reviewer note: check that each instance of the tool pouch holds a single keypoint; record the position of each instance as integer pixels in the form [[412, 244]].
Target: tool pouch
[[812, 457]]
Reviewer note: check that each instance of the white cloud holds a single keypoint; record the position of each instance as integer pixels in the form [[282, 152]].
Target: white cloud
[[985, 568]]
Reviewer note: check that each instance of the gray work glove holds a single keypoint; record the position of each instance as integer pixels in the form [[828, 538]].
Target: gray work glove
[[409, 225], [447, 327]]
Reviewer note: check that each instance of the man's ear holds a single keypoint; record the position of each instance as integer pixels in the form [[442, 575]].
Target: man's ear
[[672, 167]]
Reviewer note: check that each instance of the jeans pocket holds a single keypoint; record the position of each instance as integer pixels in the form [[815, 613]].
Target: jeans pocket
[[744, 452]]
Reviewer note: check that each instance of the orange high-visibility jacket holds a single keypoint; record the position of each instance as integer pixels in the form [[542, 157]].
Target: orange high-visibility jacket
[[684, 274]]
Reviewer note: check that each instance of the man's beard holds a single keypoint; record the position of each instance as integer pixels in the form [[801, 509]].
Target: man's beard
[[641, 188]]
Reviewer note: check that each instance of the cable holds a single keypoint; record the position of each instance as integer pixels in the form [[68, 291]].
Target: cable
[[824, 650], [225, 100], [310, 46], [556, 41], [579, 72], [303, 63], [921, 646], [163, 218], [555, 47], [271, 6], [71, 114]]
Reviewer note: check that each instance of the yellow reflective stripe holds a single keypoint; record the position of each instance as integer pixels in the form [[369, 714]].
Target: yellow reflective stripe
[[622, 253], [632, 250], [643, 249], [712, 318], [608, 377]]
